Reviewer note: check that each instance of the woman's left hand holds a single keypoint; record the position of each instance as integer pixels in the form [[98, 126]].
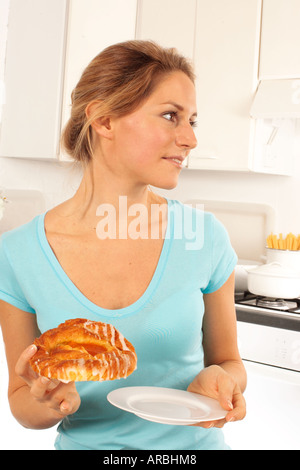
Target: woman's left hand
[[215, 382]]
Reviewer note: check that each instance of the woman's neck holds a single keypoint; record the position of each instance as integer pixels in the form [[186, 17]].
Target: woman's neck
[[98, 188], [100, 194]]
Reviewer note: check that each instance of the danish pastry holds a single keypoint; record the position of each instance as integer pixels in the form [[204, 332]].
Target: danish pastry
[[83, 350]]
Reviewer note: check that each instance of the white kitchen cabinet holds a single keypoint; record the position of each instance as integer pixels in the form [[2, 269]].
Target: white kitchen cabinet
[[226, 62], [171, 23], [280, 39], [93, 25], [49, 44], [33, 78]]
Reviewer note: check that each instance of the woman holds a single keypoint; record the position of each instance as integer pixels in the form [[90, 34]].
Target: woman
[[166, 285]]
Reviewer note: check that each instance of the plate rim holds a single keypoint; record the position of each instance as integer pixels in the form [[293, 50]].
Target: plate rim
[[218, 414]]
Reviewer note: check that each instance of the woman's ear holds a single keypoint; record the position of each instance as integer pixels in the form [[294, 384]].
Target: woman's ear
[[101, 125]]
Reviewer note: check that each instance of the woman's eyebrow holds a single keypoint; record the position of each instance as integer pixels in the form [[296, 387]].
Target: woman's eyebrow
[[178, 106]]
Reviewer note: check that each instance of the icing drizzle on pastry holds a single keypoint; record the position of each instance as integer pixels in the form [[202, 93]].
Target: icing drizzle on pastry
[[84, 350]]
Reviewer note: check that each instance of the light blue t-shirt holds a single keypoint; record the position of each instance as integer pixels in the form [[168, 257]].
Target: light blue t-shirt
[[164, 325]]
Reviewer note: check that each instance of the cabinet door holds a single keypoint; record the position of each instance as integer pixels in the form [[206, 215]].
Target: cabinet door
[[171, 23], [280, 39], [33, 79], [226, 61], [93, 25]]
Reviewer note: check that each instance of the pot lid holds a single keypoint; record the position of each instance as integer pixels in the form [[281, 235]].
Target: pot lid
[[275, 270]]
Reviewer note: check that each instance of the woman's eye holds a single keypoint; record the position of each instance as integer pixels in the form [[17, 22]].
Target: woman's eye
[[170, 116]]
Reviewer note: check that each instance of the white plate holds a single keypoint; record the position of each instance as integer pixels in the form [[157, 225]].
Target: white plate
[[166, 405]]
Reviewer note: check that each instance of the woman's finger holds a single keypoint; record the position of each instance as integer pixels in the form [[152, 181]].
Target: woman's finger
[[239, 408], [226, 387], [70, 404], [23, 368], [67, 402], [42, 387]]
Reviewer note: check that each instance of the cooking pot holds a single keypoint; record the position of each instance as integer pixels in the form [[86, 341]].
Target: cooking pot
[[287, 258], [274, 280]]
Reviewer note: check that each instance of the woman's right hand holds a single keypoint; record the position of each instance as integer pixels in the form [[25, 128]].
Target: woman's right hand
[[60, 397]]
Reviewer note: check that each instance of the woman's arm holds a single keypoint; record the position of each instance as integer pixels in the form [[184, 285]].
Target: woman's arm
[[220, 333], [36, 402], [224, 376]]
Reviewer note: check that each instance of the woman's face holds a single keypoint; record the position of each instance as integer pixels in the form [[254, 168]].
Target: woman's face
[[150, 144]]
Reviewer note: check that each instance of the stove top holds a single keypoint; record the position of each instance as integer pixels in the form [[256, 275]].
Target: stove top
[[289, 306], [279, 313]]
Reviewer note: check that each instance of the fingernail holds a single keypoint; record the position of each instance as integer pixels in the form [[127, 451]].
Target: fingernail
[[230, 404], [32, 348], [64, 406]]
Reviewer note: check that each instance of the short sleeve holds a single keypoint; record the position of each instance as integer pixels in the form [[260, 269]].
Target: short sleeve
[[223, 257], [10, 290]]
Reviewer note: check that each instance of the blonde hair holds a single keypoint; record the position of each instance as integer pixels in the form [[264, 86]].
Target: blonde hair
[[119, 79]]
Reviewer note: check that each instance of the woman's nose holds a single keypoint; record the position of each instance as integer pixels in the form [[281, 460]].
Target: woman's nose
[[186, 137]]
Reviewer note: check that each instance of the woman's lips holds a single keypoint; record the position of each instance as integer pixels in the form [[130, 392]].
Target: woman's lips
[[177, 161]]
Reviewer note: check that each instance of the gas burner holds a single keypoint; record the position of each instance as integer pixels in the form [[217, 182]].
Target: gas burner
[[278, 304], [268, 303]]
